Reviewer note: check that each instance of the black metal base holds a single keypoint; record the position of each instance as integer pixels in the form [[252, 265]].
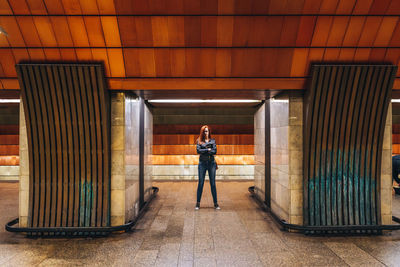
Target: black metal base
[[78, 231], [327, 230]]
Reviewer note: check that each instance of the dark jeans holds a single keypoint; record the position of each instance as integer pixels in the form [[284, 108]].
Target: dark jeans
[[210, 166]]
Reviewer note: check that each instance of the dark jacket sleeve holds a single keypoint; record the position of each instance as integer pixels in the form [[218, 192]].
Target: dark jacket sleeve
[[213, 150], [201, 150]]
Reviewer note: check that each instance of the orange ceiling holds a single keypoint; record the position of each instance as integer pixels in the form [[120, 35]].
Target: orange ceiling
[[190, 44]]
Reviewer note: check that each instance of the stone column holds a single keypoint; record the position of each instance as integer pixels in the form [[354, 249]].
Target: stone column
[[287, 158], [117, 159], [23, 170], [386, 185]]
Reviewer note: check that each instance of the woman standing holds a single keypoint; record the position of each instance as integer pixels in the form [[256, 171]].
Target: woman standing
[[207, 148]]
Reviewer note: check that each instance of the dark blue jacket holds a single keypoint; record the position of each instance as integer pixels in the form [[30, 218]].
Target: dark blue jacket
[[202, 149]]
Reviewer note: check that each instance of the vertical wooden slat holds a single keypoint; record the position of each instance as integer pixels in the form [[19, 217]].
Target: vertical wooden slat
[[57, 166]]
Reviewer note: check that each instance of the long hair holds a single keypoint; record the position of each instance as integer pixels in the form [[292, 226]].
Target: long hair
[[202, 136]]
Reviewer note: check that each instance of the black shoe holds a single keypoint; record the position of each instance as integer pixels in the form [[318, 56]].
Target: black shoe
[[197, 206], [216, 206]]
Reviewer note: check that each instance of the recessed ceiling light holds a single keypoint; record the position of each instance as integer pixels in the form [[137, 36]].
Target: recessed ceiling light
[[2, 31], [204, 101], [8, 101]]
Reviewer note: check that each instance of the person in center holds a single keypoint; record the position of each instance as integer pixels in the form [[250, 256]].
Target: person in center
[[207, 148]]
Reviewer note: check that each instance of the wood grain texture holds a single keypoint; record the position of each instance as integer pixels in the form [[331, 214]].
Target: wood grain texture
[[67, 117], [345, 114]]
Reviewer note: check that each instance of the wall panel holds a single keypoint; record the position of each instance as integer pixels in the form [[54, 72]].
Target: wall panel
[[345, 115], [67, 118]]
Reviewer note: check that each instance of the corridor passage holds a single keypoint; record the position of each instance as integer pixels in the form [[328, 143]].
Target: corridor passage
[[172, 233]]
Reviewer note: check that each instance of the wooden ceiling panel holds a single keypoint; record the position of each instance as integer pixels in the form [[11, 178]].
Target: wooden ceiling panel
[[116, 61], [362, 7], [78, 31], [192, 31], [209, 31], [68, 54], [311, 6], [54, 7], [36, 54], [19, 7], [7, 62], [338, 31], [62, 32], [3, 41], [20, 55], [147, 63], [72, 7], [362, 54], [306, 30], [379, 7], [178, 62], [238, 62], [225, 31], [299, 62], [261, 6], [14, 37], [328, 6], [271, 56], [277, 7], [111, 31], [208, 6], [223, 63], [52, 54], [84, 54], [37, 7], [106, 7], [395, 39], [100, 54], [127, 28], [89, 7], [227, 7], [241, 26], [353, 31], [385, 31], [45, 31], [191, 7], [370, 30], [29, 31], [394, 8], [144, 31], [289, 31], [315, 55], [392, 56], [295, 7], [345, 6], [162, 62], [5, 8], [331, 54], [174, 7], [159, 27], [257, 35], [95, 31], [346, 55], [273, 31], [132, 66], [192, 62], [176, 26], [208, 62], [377, 54], [321, 31], [283, 63]]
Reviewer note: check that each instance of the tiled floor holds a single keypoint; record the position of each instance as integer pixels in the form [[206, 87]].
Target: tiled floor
[[173, 234]]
